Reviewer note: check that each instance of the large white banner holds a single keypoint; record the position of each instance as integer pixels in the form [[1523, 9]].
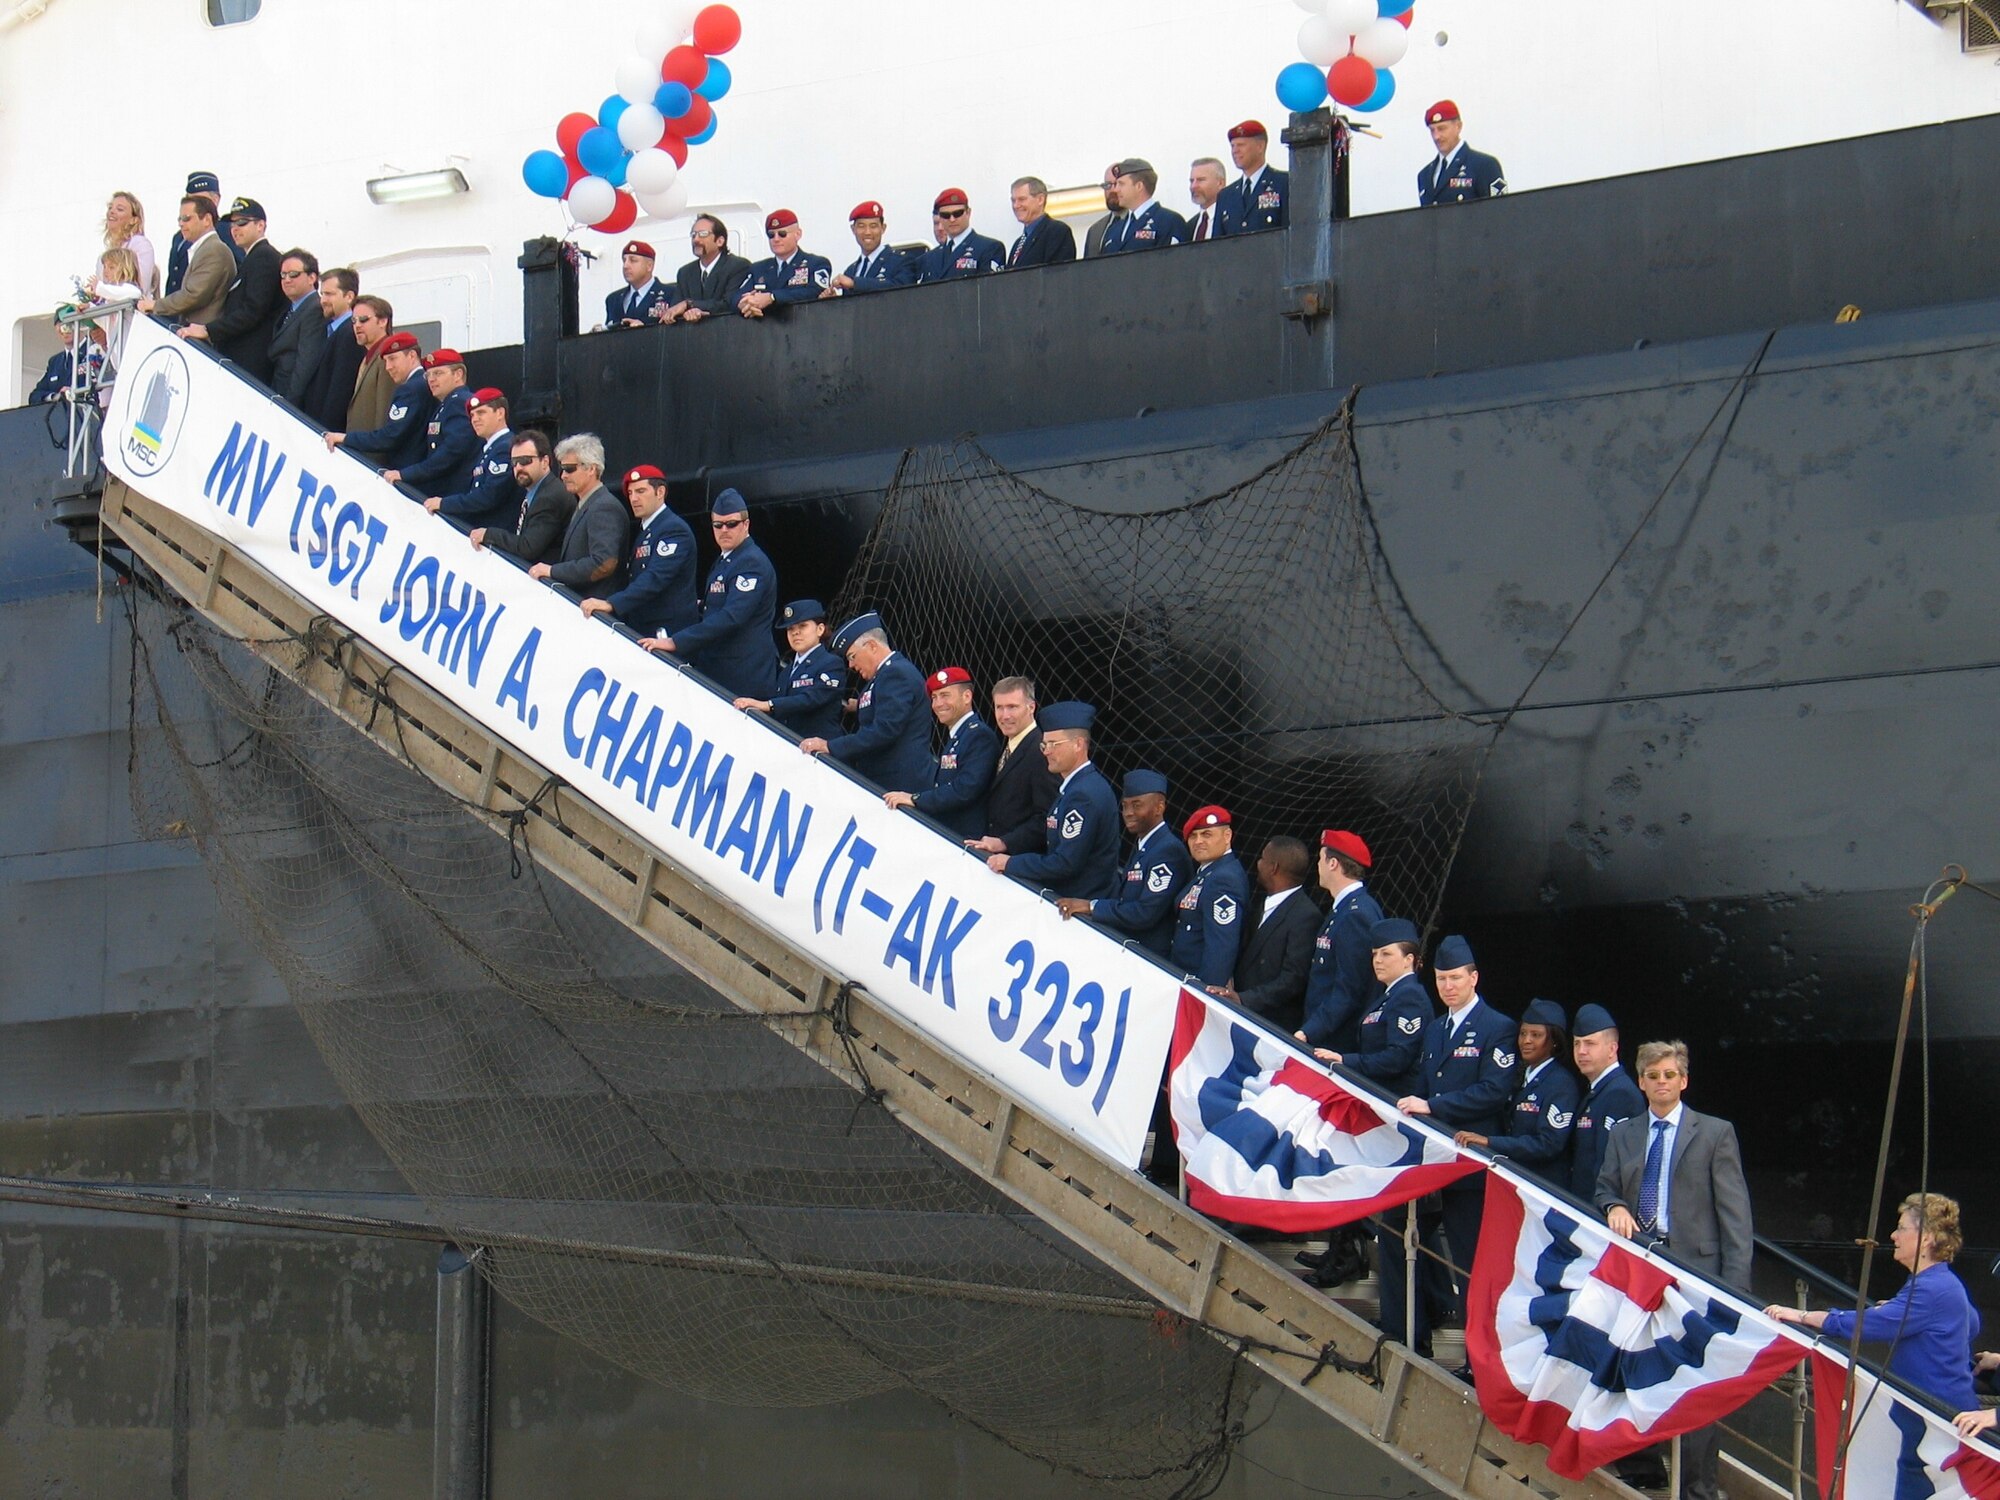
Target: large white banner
[[1054, 1011]]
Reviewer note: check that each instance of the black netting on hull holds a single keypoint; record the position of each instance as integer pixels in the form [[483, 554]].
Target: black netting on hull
[[1247, 641], [673, 1184]]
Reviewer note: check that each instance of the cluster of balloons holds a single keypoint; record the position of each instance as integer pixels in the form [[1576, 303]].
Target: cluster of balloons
[[1349, 47], [628, 156]]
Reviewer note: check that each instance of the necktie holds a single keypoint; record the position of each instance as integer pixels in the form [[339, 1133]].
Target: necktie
[[1649, 1185], [1014, 255], [1201, 227], [632, 303]]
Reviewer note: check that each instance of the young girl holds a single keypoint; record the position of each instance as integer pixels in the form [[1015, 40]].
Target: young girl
[[117, 280]]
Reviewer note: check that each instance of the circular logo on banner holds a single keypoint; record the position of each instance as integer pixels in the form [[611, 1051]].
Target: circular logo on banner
[[157, 403]]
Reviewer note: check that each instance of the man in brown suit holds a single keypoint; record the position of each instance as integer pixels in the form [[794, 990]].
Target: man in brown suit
[[368, 407], [211, 268]]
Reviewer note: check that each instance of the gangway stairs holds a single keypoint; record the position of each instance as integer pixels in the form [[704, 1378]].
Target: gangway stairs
[[1405, 1406]]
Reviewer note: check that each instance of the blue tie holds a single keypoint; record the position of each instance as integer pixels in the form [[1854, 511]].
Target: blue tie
[[1649, 1185]]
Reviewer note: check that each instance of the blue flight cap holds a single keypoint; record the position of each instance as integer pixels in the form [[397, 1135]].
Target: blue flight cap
[[202, 182], [1066, 716], [855, 628], [1454, 953], [1394, 930], [1591, 1019], [1545, 1013], [801, 610], [729, 503], [1144, 784]]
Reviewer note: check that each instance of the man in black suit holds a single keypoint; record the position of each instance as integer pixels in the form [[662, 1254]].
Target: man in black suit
[[1042, 241], [241, 333], [299, 343], [1024, 788], [1093, 237], [593, 544], [330, 388], [546, 506], [706, 286], [1271, 971]]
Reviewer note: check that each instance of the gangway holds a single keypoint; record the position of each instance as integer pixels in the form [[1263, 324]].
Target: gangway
[[1408, 1408]]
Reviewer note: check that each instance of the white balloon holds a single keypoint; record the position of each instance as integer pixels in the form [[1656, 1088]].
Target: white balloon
[[1311, 7], [660, 35], [668, 202], [1350, 17], [639, 79], [1382, 42], [642, 125], [591, 199], [1320, 43], [650, 171]]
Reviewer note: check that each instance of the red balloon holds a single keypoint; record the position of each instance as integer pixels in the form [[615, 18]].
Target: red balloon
[[576, 173], [717, 29], [683, 65], [1351, 80], [621, 217], [695, 121], [1405, 18], [570, 130], [675, 147]]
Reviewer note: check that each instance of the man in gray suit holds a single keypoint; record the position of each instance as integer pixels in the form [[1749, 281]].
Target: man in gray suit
[[300, 342], [1673, 1179], [1093, 237], [593, 545]]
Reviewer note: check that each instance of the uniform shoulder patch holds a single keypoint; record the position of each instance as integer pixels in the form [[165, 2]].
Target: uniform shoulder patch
[[1225, 910], [1560, 1118], [1072, 823], [397, 413], [1409, 1025], [1502, 1059], [746, 582], [1159, 878], [668, 549]]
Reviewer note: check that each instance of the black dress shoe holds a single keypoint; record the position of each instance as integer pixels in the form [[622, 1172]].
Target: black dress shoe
[[1312, 1260]]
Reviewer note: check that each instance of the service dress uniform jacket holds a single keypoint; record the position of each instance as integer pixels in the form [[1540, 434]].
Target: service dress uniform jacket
[[1391, 1050], [490, 496], [1017, 809], [887, 267], [241, 332], [659, 591], [973, 254], [1046, 242], [808, 701], [537, 532], [1153, 227], [1249, 207], [1208, 920], [1540, 1123], [297, 347], [593, 546], [1341, 984], [731, 643], [891, 743], [1081, 840], [1276, 959], [636, 302], [964, 777], [712, 290], [1469, 1075], [1467, 175], [1154, 877], [1612, 1098], [802, 278], [450, 446], [400, 441]]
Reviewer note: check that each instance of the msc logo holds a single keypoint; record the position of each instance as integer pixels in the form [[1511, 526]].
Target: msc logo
[[157, 406]]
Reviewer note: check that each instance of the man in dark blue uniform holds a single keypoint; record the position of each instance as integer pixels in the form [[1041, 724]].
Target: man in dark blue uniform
[[891, 743], [1536, 1135], [1457, 174], [787, 275], [631, 306], [490, 496], [1208, 916], [1157, 872], [1466, 1081], [731, 643], [1081, 857], [399, 442], [451, 442], [877, 267], [1148, 224], [1609, 1095], [1256, 200], [658, 597], [963, 251], [1341, 984], [810, 690], [966, 764]]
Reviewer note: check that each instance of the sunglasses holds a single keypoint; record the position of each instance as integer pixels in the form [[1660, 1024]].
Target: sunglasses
[[728, 525], [953, 213], [525, 463], [571, 468]]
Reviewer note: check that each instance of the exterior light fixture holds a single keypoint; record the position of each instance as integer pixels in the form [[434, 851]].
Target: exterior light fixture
[[413, 187]]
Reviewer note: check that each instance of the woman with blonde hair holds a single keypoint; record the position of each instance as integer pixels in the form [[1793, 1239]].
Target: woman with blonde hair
[[125, 229]]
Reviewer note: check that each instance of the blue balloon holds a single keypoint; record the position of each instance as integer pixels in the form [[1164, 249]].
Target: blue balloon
[[673, 100], [615, 173], [1300, 87], [715, 83], [706, 130], [1385, 90], [599, 150], [546, 174], [1390, 9], [609, 111]]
